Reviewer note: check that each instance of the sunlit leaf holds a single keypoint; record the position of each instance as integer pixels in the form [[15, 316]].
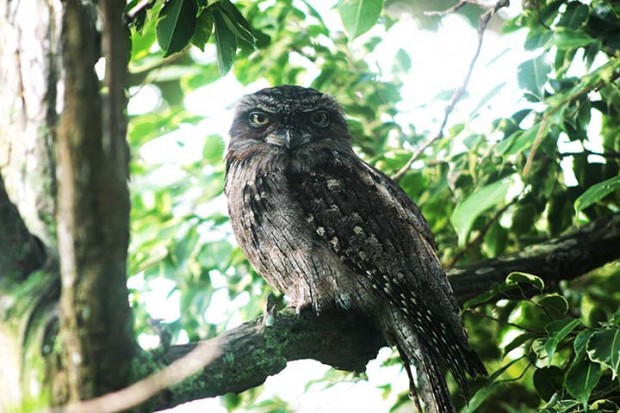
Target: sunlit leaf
[[597, 192], [475, 204], [518, 277], [480, 396], [532, 75], [213, 150], [570, 39], [558, 330], [580, 343], [554, 304], [518, 341], [358, 16]]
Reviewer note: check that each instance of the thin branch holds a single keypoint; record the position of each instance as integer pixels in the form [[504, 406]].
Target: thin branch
[[452, 9], [138, 8], [458, 93]]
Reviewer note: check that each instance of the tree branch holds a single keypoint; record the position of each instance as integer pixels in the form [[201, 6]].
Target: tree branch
[[563, 258], [252, 352]]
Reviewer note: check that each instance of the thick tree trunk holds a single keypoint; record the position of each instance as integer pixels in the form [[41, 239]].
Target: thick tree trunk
[[70, 229], [29, 283], [93, 216]]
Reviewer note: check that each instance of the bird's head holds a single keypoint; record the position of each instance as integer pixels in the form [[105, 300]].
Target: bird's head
[[288, 120]]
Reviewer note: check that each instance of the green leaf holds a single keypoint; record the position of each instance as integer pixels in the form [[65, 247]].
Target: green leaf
[[204, 27], [402, 62], [581, 379], [484, 297], [554, 304], [518, 277], [547, 381], [236, 22], [468, 210], [486, 391], [604, 406], [597, 192], [580, 343], [532, 75], [518, 341], [216, 254], [480, 396], [604, 348], [568, 39], [558, 330], [213, 149], [575, 16], [176, 24], [226, 43], [358, 16]]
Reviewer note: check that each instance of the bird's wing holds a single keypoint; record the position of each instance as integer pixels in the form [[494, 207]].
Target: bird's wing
[[371, 224]]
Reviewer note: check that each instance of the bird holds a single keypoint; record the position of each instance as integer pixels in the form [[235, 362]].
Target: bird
[[332, 232]]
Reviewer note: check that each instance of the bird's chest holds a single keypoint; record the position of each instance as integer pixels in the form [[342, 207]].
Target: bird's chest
[[261, 208], [271, 229]]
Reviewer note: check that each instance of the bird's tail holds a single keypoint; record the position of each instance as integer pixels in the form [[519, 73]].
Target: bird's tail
[[431, 384]]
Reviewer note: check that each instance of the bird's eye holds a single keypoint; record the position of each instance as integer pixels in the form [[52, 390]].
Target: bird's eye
[[259, 119], [319, 119]]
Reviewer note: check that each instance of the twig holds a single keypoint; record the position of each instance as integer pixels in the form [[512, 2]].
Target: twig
[[458, 93], [137, 9], [454, 8]]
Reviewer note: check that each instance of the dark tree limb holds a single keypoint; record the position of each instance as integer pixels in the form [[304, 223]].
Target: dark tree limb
[[563, 258], [252, 352], [21, 253]]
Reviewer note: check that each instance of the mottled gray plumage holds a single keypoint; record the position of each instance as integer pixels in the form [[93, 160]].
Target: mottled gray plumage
[[329, 230]]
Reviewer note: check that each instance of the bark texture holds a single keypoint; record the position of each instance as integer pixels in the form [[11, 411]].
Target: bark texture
[[93, 217], [29, 288], [64, 204]]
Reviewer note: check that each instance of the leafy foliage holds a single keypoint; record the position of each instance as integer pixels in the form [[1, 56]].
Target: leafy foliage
[[549, 166]]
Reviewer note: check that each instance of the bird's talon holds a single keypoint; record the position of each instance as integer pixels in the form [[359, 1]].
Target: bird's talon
[[269, 313]]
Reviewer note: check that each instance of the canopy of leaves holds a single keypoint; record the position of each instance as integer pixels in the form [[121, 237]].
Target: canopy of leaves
[[549, 166]]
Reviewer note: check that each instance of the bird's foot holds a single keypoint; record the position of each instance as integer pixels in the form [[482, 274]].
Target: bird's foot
[[270, 310]]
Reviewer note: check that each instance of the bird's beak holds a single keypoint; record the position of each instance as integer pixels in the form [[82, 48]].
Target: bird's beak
[[288, 138]]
